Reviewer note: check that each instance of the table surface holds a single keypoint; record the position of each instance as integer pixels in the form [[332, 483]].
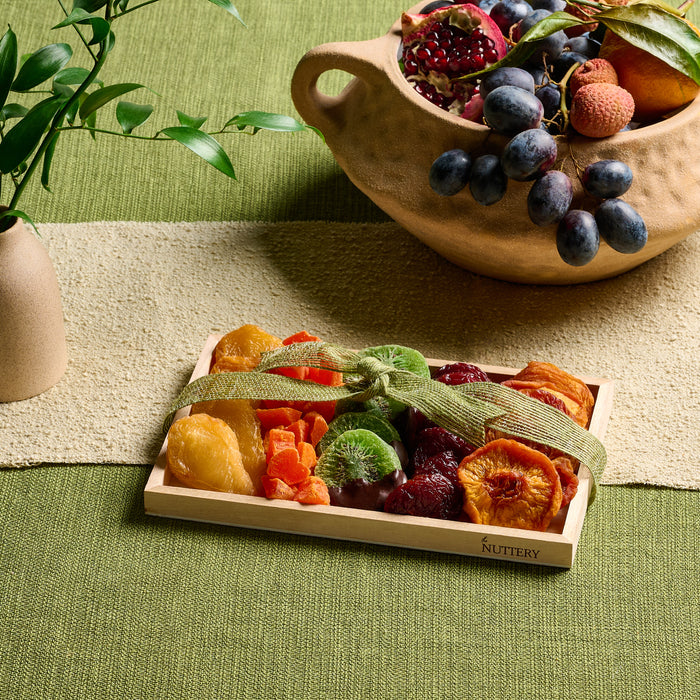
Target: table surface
[[98, 600]]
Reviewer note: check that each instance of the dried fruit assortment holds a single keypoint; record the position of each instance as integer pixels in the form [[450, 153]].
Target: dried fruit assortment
[[380, 455], [583, 79]]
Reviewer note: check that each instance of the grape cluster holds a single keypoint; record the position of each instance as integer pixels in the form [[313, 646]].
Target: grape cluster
[[512, 108]]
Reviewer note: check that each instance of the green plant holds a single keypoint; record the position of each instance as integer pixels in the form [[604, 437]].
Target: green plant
[[65, 98]]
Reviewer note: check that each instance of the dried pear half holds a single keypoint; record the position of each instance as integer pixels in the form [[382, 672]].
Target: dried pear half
[[241, 417], [510, 485], [203, 453], [356, 454]]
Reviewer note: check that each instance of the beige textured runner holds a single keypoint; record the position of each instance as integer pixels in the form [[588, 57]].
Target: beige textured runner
[[141, 298]]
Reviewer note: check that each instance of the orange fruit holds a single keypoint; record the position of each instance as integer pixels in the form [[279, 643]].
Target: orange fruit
[[657, 88]]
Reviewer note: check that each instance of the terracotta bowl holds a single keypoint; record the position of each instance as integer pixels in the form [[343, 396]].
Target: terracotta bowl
[[385, 137]]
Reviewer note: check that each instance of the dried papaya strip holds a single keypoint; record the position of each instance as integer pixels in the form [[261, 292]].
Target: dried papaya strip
[[510, 485]]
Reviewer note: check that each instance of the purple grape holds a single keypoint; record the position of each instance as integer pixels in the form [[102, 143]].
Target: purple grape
[[549, 198], [450, 172], [606, 179], [488, 182], [577, 238], [529, 154], [510, 110], [621, 226]]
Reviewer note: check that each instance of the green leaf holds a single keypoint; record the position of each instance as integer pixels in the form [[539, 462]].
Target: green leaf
[[12, 110], [660, 33], [89, 5], [194, 122], [203, 145], [14, 213], [265, 120], [48, 158], [229, 7], [100, 26], [8, 63], [101, 97], [42, 65], [21, 140], [91, 122], [130, 115], [71, 76]]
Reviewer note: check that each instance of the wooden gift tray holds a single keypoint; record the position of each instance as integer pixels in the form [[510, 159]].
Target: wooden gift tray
[[165, 496]]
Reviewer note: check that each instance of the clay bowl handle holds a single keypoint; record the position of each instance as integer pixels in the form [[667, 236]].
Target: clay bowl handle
[[365, 60]]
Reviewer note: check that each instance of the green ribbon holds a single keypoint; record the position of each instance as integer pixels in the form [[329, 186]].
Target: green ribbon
[[467, 410]]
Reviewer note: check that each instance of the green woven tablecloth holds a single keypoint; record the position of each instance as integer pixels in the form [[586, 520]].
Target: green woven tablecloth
[[99, 601]]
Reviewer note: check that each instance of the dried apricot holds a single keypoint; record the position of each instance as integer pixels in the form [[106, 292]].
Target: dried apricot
[[510, 485], [234, 363], [203, 453], [246, 341], [242, 418]]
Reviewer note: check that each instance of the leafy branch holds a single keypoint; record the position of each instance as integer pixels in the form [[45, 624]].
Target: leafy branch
[[75, 95], [651, 25]]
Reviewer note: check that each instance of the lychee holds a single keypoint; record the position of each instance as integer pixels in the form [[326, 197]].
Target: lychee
[[599, 110], [597, 70]]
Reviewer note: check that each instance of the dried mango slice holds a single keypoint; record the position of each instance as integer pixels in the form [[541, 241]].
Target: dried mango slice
[[203, 453], [510, 485], [241, 416], [577, 397], [246, 341]]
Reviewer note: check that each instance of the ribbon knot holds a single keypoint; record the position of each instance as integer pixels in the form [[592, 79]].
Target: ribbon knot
[[376, 373]]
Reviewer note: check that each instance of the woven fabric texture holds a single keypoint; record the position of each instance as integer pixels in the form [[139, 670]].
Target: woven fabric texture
[[100, 602], [140, 300]]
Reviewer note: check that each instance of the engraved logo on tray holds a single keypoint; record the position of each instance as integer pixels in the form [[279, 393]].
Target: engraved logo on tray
[[506, 550]]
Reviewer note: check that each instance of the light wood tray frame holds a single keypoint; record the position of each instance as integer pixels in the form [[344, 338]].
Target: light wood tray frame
[[165, 496]]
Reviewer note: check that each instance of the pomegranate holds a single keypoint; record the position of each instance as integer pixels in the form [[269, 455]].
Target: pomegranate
[[447, 44]]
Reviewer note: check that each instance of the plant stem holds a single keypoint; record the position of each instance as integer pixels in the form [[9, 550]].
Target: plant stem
[[99, 62], [135, 7], [80, 34]]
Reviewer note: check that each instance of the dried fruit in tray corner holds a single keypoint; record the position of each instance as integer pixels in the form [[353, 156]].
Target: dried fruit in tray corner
[[577, 397], [203, 453], [241, 417], [246, 342], [508, 484]]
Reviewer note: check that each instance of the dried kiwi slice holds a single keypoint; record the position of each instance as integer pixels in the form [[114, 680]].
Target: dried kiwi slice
[[356, 454], [400, 357], [352, 421]]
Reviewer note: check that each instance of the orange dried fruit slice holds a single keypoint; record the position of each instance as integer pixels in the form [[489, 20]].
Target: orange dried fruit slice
[[567, 477], [242, 418], [202, 453], [574, 392], [510, 485], [246, 341], [234, 363]]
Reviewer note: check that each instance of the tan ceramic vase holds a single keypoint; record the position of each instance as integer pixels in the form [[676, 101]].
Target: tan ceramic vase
[[385, 137], [33, 353]]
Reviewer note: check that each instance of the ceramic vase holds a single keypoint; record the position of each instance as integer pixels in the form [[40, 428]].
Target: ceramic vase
[[33, 355]]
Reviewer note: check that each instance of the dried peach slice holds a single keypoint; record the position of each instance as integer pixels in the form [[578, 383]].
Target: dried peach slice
[[246, 341], [510, 485], [567, 477], [577, 397], [241, 416], [203, 453]]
